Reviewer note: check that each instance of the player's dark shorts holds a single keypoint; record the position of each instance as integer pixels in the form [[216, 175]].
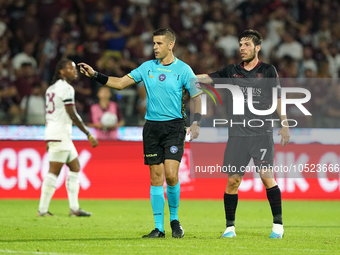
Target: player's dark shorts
[[241, 149], [163, 140]]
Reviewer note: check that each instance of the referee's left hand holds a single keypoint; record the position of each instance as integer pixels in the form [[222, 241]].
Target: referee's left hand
[[285, 136], [194, 131]]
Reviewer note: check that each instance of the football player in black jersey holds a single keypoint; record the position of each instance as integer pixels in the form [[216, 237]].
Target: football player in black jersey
[[255, 140]]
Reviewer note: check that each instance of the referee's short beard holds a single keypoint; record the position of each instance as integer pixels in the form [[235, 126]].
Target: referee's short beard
[[251, 57]]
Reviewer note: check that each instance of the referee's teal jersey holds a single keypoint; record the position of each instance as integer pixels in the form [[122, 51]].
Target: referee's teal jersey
[[165, 88]]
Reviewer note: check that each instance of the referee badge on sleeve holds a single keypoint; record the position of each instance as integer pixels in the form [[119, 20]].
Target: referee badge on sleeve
[[173, 149]]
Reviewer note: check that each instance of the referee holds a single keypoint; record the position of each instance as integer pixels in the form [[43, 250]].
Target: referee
[[256, 141], [166, 79]]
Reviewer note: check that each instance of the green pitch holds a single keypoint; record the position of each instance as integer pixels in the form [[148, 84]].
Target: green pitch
[[116, 227]]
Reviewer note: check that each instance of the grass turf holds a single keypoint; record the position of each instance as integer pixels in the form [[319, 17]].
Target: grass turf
[[116, 227]]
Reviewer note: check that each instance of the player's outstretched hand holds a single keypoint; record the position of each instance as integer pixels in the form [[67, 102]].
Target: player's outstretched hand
[[285, 136], [194, 131], [86, 69], [93, 141]]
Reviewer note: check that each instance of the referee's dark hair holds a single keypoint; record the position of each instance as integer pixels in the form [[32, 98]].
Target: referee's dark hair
[[252, 34], [168, 32]]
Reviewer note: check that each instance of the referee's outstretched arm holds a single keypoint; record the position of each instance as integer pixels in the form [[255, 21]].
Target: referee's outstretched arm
[[112, 82]]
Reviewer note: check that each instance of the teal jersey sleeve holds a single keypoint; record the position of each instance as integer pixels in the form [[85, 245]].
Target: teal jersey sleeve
[[190, 82], [136, 74]]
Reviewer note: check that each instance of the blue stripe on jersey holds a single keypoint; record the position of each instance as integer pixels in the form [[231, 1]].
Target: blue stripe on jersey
[[165, 88]]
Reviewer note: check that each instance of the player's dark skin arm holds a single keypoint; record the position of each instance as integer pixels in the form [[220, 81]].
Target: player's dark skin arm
[[284, 131], [72, 112]]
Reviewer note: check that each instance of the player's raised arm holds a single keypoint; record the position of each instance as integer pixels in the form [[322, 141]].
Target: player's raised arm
[[112, 82], [72, 112], [284, 131]]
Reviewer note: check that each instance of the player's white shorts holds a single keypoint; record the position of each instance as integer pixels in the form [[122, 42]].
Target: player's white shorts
[[58, 154]]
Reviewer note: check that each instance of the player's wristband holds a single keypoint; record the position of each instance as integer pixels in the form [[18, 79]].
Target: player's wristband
[[197, 117], [89, 136], [101, 78]]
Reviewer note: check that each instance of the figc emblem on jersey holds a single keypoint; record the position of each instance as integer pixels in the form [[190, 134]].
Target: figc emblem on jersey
[[161, 77], [173, 149]]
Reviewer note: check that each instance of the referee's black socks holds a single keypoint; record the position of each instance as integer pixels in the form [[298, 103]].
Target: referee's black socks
[[230, 204], [274, 198]]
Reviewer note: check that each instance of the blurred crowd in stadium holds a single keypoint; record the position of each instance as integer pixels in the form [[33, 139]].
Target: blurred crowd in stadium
[[301, 39]]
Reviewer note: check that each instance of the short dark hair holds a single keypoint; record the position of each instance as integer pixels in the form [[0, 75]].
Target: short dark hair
[[252, 34], [168, 32]]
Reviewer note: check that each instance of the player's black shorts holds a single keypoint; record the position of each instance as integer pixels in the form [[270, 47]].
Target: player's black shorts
[[241, 149], [163, 140]]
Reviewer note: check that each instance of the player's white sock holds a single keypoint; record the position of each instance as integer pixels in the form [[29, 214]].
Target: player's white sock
[[277, 228], [72, 186], [47, 190]]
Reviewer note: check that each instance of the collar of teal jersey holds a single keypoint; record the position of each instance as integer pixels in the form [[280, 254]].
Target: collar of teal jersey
[[168, 64]]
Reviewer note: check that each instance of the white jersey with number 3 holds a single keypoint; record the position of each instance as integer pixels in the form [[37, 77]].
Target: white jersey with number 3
[[58, 122]]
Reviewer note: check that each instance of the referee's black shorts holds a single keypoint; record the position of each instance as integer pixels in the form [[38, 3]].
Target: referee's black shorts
[[241, 149], [163, 140]]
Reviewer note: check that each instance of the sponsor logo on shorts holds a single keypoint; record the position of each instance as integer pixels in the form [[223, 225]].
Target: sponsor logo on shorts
[[162, 77], [173, 149]]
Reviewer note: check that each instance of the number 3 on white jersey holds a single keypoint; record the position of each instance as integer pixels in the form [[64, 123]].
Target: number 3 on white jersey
[[50, 106]]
